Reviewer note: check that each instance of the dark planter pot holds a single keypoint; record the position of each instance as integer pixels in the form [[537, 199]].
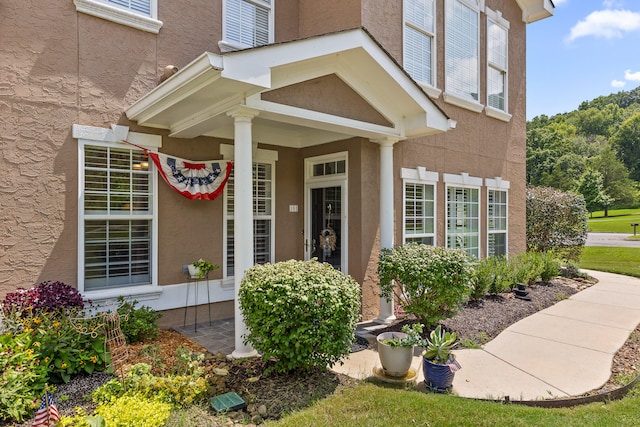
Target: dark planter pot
[[437, 377]]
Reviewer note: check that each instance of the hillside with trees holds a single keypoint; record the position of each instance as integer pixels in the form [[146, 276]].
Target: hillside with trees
[[594, 151]]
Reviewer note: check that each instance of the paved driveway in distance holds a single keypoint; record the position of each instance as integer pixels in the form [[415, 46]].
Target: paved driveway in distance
[[613, 239]]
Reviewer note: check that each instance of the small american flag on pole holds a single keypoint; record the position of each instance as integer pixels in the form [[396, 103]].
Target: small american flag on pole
[[453, 364], [47, 414]]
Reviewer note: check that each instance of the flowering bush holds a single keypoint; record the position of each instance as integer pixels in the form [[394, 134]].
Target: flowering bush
[[302, 313], [22, 376], [47, 296], [432, 282]]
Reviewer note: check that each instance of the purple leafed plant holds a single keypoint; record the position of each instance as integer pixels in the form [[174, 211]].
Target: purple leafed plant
[[47, 296]]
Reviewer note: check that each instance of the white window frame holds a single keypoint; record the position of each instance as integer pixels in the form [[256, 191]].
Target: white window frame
[[496, 19], [259, 156], [452, 96], [429, 86], [227, 45], [107, 10], [498, 185], [464, 181], [93, 136], [419, 176]]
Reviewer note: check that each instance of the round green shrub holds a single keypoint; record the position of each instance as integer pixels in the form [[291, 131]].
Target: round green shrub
[[432, 281], [302, 313]]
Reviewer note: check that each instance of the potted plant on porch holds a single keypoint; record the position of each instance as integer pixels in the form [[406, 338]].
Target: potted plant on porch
[[395, 349], [199, 269], [439, 364]]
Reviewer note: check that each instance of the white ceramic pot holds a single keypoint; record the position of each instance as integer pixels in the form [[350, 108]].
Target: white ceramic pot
[[194, 272], [395, 361]]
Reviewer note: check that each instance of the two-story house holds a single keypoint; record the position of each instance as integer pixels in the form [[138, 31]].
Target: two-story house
[[351, 125]]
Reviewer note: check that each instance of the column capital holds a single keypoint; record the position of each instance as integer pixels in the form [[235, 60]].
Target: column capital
[[243, 112], [386, 140]]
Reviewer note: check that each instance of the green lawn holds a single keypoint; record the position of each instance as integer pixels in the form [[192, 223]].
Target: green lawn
[[612, 259], [370, 405], [618, 221]]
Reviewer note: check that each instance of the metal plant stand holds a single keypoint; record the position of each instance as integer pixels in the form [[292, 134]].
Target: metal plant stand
[[196, 281]]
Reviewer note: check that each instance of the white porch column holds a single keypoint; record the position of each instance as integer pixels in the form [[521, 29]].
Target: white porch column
[[242, 217], [385, 314]]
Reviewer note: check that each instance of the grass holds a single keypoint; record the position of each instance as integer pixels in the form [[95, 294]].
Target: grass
[[611, 259], [618, 221], [370, 405]]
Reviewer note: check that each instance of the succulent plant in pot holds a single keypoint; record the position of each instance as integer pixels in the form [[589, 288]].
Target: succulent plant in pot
[[395, 349], [439, 364]]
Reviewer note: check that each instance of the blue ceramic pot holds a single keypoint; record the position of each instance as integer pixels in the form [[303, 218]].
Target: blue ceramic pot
[[437, 377]]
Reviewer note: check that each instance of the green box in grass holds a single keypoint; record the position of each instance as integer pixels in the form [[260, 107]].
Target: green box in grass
[[227, 402]]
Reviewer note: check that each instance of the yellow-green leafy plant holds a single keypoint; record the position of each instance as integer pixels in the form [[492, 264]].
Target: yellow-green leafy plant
[[439, 345], [133, 410], [302, 314]]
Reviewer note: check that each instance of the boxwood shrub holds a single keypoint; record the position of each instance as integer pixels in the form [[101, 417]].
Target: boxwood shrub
[[432, 282], [301, 313]]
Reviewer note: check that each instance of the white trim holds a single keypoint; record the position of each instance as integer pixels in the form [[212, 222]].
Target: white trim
[[462, 180], [535, 10], [89, 135], [338, 180], [497, 114], [469, 104], [421, 176], [497, 183], [121, 15]]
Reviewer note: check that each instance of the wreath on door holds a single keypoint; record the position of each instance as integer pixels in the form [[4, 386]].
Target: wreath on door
[[328, 240]]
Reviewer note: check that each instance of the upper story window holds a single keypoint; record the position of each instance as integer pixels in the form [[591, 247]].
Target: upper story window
[[140, 14], [497, 65], [247, 23], [462, 53], [419, 41]]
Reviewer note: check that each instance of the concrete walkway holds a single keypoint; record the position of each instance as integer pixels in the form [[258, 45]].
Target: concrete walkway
[[564, 350]]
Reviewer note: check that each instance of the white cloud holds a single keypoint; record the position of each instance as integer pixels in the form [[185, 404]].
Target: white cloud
[[617, 83], [610, 4], [628, 75], [607, 24]]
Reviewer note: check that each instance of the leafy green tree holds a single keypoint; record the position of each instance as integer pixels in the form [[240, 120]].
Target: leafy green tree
[[591, 189], [615, 178], [627, 143]]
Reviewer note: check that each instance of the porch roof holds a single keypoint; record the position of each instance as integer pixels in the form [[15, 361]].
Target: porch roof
[[197, 100]]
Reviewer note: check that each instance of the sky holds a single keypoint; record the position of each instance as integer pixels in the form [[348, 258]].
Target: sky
[[589, 48]]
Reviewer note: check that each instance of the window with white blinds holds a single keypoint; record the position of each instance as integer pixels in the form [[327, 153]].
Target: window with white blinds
[[462, 49], [496, 65], [463, 219], [117, 217], [139, 6], [419, 36], [496, 222], [419, 213], [248, 22], [263, 203]]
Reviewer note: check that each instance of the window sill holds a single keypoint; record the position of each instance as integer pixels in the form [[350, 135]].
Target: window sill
[[432, 91], [497, 114], [226, 46], [468, 104], [118, 15], [146, 292]]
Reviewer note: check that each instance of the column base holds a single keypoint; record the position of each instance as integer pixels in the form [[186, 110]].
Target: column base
[[242, 355], [385, 320]]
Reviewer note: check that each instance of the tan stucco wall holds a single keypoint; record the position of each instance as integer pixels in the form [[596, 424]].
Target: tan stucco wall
[[60, 67]]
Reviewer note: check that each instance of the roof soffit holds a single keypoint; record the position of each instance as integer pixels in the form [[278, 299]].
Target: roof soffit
[[535, 10], [194, 101]]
